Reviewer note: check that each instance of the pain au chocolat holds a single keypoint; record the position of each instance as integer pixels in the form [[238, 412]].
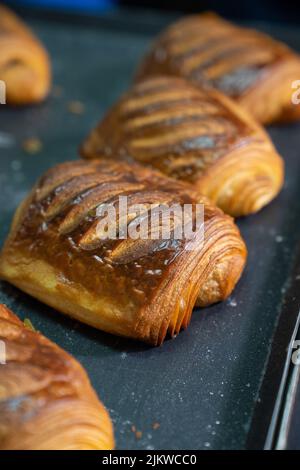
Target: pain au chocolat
[[247, 65], [139, 288], [24, 63], [194, 135], [46, 399]]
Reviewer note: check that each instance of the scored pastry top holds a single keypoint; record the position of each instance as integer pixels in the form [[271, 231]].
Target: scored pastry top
[[172, 125], [46, 399], [61, 216], [210, 50], [247, 65]]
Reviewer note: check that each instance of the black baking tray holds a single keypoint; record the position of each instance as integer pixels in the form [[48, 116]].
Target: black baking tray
[[221, 384]]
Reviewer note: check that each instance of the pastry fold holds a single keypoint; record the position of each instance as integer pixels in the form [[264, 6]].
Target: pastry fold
[[196, 135], [46, 399], [24, 63], [135, 287], [249, 66]]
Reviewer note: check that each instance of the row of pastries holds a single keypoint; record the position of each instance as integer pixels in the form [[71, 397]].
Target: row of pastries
[[189, 131]]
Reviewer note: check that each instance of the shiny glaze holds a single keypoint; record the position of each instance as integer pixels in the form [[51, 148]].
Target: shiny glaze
[[211, 51]]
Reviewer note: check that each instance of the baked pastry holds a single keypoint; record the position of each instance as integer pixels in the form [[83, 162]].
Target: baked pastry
[[24, 63], [46, 399], [247, 65], [194, 135], [138, 287]]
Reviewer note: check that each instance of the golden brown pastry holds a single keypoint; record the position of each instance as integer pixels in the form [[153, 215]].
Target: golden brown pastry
[[247, 65], [24, 63], [194, 135], [46, 399], [140, 288]]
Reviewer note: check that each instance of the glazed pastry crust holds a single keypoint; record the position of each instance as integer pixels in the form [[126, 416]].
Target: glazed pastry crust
[[245, 64], [24, 63], [196, 135], [46, 399], [142, 289]]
